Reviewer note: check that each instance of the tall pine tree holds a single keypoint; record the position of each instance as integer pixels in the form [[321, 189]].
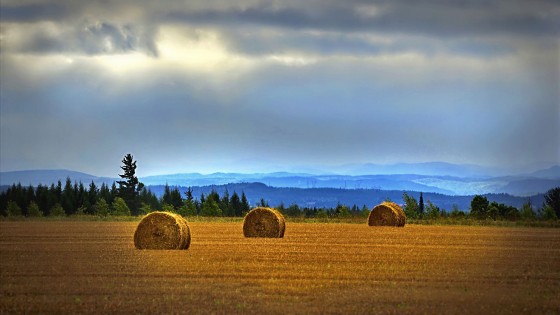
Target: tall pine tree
[[130, 186]]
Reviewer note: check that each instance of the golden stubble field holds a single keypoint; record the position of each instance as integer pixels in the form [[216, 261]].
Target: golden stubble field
[[93, 267]]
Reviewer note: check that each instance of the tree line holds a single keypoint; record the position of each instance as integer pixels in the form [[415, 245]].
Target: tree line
[[74, 198], [132, 198], [481, 208]]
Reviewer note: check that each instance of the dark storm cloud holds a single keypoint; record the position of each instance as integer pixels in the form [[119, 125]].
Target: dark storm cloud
[[479, 28], [431, 18], [469, 27], [33, 12]]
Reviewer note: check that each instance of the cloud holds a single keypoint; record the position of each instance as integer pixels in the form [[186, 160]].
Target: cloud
[[484, 28], [431, 18], [330, 112], [33, 12], [86, 38], [205, 85]]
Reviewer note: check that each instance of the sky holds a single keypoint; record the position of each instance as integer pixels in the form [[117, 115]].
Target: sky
[[263, 86]]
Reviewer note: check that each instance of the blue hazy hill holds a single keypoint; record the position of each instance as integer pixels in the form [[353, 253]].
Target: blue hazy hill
[[429, 180], [330, 197], [47, 177]]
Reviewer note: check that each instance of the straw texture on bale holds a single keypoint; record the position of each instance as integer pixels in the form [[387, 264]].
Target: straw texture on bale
[[264, 222], [399, 211], [162, 230], [387, 214]]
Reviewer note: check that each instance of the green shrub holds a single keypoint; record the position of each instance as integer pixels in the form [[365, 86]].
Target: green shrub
[[186, 211], [102, 207], [167, 208], [548, 213], [33, 210], [342, 211], [120, 208], [57, 211], [13, 209], [145, 208], [527, 212], [211, 208]]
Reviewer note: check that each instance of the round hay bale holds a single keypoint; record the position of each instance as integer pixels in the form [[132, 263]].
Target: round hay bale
[[264, 222], [387, 214], [399, 211], [162, 230]]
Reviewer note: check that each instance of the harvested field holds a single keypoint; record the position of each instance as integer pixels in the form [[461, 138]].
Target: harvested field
[[93, 267]]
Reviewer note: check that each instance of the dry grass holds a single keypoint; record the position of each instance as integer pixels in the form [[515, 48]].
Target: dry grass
[[93, 267], [264, 222], [162, 230], [387, 214]]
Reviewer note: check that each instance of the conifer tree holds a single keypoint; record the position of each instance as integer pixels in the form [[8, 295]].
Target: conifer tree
[[68, 197], [129, 187], [245, 207], [189, 207], [235, 204], [113, 193], [552, 199], [104, 193], [202, 199], [43, 198], [166, 198], [81, 196], [224, 204], [188, 195], [421, 205], [92, 196], [176, 199], [149, 200], [58, 191]]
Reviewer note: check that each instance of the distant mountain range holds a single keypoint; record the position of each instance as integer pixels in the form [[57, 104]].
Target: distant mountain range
[[330, 197], [437, 177], [428, 168], [47, 177]]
